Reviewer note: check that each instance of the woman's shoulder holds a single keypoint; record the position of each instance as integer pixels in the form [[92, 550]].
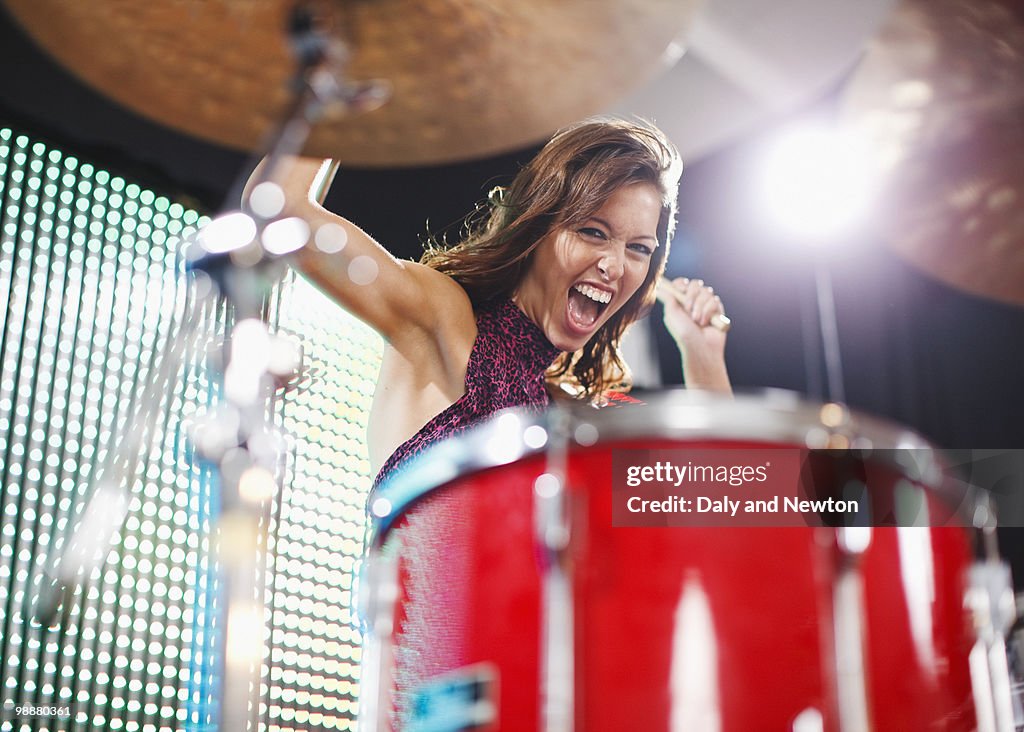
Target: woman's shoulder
[[451, 310], [441, 290]]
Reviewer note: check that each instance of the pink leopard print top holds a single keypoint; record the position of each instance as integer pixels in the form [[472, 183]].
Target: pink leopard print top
[[506, 369]]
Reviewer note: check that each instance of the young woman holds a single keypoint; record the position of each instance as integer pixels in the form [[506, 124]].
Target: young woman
[[533, 301]]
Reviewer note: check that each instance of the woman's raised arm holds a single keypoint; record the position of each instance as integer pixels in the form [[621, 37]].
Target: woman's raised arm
[[401, 300]]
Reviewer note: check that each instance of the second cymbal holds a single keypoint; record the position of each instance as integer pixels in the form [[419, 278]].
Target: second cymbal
[[941, 94]]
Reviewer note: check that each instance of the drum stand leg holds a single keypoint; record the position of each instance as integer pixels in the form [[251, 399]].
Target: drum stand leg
[[848, 627], [109, 500]]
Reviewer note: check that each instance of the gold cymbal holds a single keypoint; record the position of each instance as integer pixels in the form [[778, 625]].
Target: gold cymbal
[[941, 93], [470, 78]]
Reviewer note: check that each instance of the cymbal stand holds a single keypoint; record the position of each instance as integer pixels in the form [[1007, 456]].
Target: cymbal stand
[[230, 259], [248, 469]]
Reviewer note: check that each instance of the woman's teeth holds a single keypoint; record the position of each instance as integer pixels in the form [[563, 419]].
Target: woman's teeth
[[593, 293]]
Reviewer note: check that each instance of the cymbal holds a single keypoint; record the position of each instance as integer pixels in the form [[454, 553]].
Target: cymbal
[[470, 78], [941, 94]]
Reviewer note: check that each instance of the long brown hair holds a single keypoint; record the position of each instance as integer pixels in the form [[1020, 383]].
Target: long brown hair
[[564, 185]]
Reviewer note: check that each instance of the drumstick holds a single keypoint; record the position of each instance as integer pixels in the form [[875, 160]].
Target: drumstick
[[324, 178], [666, 290]]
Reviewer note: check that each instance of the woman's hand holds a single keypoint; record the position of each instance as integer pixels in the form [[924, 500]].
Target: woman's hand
[[694, 316]]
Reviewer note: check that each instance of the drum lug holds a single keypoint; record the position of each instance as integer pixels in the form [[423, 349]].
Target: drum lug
[[550, 516], [848, 619], [551, 520], [990, 602], [552, 534], [378, 596]]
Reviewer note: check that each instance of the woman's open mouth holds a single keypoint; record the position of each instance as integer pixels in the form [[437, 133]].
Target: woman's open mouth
[[586, 304]]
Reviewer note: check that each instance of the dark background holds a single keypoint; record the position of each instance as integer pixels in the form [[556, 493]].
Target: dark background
[[947, 364]]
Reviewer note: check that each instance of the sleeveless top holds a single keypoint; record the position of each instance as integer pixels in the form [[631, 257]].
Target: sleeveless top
[[506, 369]]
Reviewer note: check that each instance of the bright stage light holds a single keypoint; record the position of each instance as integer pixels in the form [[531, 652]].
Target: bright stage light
[[816, 182]]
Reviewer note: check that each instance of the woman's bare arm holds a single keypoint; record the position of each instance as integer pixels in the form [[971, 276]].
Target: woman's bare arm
[[404, 300]]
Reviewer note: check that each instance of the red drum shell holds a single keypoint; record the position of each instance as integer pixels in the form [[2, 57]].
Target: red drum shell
[[470, 592]]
